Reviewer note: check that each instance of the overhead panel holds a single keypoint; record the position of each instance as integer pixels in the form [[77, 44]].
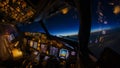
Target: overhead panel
[[18, 10]]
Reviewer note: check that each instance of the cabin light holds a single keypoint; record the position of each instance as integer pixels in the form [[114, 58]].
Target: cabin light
[[111, 3], [64, 10], [116, 10]]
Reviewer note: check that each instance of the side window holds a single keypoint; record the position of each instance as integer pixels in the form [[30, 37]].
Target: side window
[[105, 29]]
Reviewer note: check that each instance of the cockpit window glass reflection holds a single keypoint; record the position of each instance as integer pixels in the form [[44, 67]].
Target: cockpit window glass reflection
[[105, 29]]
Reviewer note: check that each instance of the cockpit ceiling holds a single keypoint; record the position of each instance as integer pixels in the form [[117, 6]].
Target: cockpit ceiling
[[16, 10]]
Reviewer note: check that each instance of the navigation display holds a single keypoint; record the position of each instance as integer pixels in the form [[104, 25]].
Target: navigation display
[[63, 53], [53, 51]]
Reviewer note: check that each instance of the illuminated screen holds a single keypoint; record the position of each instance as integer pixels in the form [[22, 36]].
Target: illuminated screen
[[43, 48], [30, 43], [63, 53], [53, 51], [35, 45], [11, 37]]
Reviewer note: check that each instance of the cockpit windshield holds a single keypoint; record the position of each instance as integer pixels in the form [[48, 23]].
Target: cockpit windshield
[[64, 25]]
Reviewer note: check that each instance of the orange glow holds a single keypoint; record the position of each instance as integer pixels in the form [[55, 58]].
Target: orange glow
[[17, 53], [116, 10], [65, 10]]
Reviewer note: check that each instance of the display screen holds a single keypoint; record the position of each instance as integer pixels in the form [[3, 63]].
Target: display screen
[[30, 43], [53, 51], [11, 37], [63, 53], [43, 48], [35, 45]]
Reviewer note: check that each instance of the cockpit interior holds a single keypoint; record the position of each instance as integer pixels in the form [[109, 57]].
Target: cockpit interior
[[59, 34]]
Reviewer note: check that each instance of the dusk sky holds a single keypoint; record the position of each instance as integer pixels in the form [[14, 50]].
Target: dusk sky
[[63, 24], [67, 24]]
